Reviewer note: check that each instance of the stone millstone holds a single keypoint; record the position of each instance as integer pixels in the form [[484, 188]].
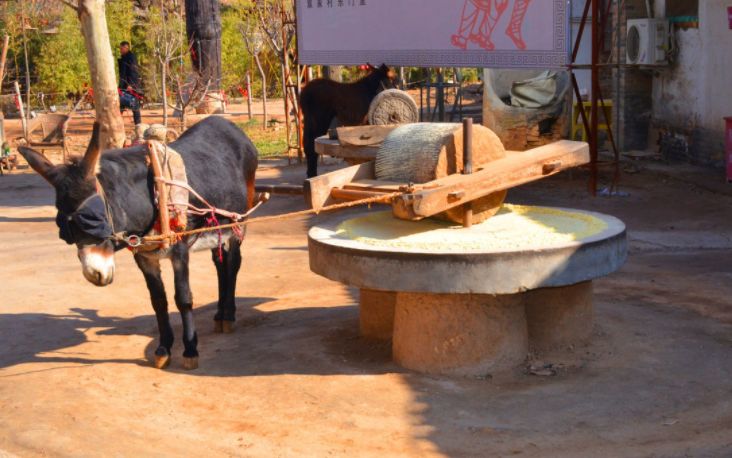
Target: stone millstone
[[423, 152], [393, 106]]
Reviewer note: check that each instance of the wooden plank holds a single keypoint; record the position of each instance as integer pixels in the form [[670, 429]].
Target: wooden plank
[[353, 194], [375, 185], [317, 189], [513, 170], [364, 135], [328, 147]]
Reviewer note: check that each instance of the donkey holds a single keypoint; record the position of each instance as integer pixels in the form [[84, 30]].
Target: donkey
[[108, 193], [322, 100]]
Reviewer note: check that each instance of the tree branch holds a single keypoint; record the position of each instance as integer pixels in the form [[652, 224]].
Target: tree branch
[[70, 5]]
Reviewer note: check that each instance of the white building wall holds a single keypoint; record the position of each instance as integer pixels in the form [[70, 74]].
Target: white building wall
[[691, 97]]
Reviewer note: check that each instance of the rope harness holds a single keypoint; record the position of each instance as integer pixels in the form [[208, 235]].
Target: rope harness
[[169, 202]]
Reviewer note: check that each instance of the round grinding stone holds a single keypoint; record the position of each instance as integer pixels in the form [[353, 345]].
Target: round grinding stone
[[423, 152], [393, 106]]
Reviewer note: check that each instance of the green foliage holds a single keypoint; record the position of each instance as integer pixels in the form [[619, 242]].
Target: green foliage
[[61, 60], [269, 142], [235, 60], [62, 65]]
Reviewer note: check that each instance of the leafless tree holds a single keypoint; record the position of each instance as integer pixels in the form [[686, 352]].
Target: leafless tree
[[275, 20], [254, 42], [189, 93], [167, 45]]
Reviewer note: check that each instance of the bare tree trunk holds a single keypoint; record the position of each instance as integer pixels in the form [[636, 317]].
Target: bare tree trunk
[[165, 93], [23, 119], [2, 77], [27, 70], [164, 68], [101, 67], [264, 90], [334, 72], [249, 96]]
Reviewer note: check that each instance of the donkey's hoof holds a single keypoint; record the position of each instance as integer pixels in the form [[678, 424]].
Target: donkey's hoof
[[227, 327], [223, 326], [162, 358], [190, 363]]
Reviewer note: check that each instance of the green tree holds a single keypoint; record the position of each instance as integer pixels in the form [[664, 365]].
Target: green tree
[[61, 58], [62, 65], [235, 60]]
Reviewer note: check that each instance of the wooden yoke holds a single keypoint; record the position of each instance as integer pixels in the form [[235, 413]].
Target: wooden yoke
[[162, 194]]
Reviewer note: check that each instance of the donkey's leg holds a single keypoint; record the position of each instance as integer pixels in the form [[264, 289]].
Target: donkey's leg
[[227, 268], [219, 259], [150, 268], [184, 302]]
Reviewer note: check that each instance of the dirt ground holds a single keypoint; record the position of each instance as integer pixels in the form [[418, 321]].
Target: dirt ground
[[295, 379]]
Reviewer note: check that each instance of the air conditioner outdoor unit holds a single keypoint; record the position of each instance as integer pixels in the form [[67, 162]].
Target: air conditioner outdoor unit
[[647, 41]]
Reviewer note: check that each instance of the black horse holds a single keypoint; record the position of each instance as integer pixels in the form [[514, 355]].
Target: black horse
[[111, 192], [322, 100]]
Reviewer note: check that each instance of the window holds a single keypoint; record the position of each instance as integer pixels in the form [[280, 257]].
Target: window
[[676, 8]]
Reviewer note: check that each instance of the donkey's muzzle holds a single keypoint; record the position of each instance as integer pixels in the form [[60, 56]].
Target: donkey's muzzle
[[97, 263]]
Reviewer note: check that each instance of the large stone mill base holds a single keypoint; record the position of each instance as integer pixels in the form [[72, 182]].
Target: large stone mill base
[[476, 334]]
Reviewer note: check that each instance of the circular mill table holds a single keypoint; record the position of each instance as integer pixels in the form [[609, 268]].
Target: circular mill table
[[472, 301]]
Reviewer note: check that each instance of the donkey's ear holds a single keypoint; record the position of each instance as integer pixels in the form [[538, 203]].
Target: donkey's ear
[[38, 162], [93, 151], [370, 67]]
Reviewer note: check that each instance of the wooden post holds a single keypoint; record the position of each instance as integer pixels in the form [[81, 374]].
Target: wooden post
[[22, 111], [440, 95], [101, 67], [6, 40], [162, 193], [27, 67], [468, 166], [594, 143]]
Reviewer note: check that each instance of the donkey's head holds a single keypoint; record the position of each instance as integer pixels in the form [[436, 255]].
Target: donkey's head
[[385, 77], [82, 216]]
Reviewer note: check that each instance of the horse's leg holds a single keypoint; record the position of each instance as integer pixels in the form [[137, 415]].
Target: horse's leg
[[150, 268], [184, 302], [517, 21], [227, 262]]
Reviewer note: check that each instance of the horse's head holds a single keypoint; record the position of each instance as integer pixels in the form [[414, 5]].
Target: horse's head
[[82, 215], [387, 78]]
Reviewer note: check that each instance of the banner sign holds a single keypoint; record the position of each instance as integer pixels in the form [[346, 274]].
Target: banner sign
[[434, 33]]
